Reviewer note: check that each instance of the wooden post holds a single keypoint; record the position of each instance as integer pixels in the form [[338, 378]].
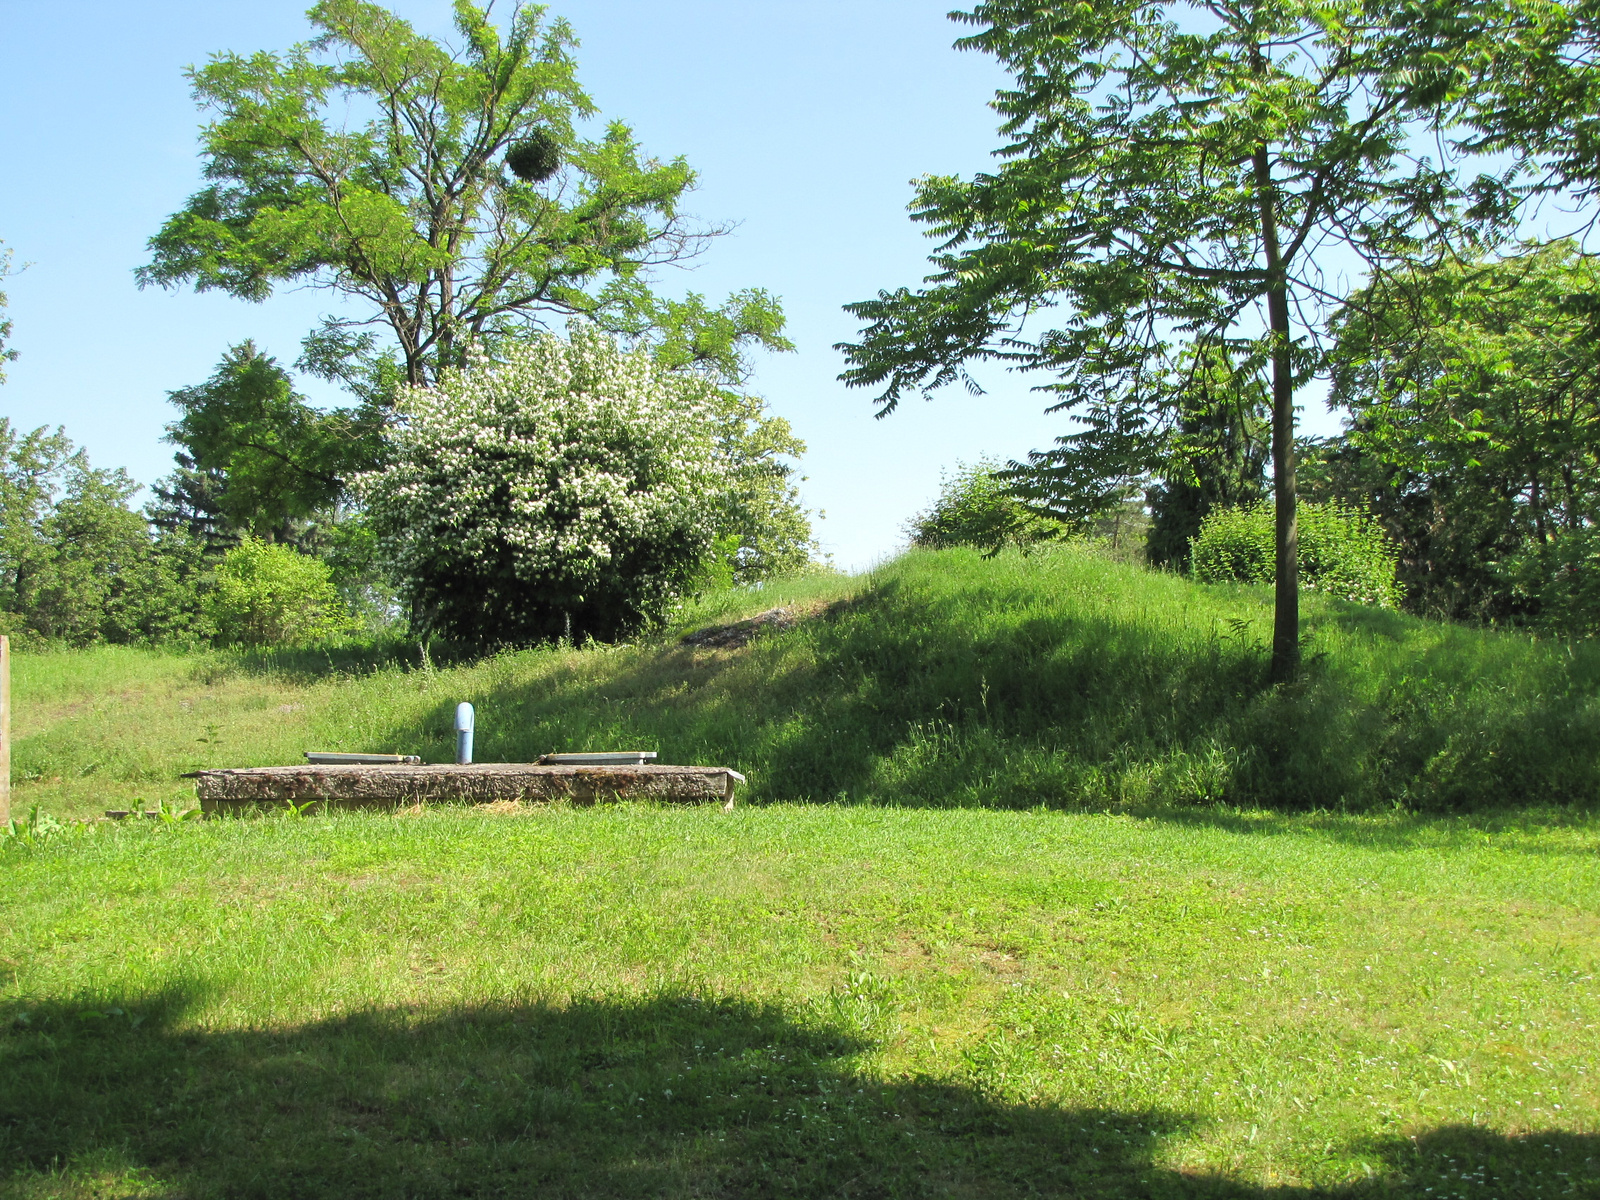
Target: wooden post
[[5, 730]]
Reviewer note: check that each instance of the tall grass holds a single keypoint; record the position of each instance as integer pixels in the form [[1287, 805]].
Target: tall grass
[[943, 679]]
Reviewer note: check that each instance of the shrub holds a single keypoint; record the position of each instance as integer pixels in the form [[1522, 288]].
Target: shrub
[[1343, 551], [271, 595], [976, 508], [1558, 583], [573, 489]]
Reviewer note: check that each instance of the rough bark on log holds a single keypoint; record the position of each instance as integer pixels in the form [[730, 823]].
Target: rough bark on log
[[235, 788]]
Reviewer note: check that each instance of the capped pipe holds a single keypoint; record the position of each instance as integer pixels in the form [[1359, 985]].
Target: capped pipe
[[464, 725]]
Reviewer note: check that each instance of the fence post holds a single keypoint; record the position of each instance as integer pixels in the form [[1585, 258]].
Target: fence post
[[5, 730]]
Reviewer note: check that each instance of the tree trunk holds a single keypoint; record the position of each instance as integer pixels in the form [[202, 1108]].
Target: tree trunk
[[1286, 597]]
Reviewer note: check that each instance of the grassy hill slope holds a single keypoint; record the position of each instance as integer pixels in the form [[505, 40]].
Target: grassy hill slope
[[941, 679]]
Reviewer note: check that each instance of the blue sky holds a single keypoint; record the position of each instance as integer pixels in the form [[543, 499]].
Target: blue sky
[[806, 122]]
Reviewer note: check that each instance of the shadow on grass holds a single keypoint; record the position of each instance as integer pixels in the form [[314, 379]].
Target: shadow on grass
[[675, 1095], [310, 664], [1400, 830]]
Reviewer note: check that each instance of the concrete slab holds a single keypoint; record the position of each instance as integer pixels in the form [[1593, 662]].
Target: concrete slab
[[234, 789]]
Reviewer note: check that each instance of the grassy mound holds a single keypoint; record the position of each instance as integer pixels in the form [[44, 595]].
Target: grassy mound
[[942, 679]]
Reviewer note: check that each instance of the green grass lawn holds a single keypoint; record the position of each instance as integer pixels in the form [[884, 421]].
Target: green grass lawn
[[1037, 889], [803, 1001]]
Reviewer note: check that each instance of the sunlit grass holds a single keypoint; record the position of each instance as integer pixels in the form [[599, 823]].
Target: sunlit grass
[[803, 1001]]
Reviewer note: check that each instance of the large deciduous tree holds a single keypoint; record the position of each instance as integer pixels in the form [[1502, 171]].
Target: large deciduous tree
[[447, 195], [1174, 173]]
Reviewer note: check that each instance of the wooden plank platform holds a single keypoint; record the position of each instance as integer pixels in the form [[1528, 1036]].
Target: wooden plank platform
[[235, 789]]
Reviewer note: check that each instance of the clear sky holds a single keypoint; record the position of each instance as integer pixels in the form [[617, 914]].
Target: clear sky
[[806, 121]]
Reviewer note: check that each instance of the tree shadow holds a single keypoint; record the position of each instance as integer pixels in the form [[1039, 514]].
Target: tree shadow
[[675, 1095], [1368, 620], [1399, 830], [356, 656]]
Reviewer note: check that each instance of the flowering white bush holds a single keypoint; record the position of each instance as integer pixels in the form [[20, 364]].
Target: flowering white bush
[[573, 489]]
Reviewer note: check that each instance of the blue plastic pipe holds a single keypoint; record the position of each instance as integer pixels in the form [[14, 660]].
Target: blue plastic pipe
[[464, 722]]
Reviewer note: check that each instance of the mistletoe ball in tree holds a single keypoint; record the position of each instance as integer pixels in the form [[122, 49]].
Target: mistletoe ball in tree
[[573, 488], [534, 159]]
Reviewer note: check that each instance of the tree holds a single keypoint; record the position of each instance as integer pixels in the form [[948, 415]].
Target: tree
[[573, 490], [1474, 396], [766, 530], [6, 353], [98, 552], [1216, 458], [77, 565], [256, 458], [465, 211], [1172, 173], [32, 466]]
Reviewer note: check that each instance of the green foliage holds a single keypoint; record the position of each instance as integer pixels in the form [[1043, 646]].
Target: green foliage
[[1234, 545], [272, 595], [1557, 582], [1216, 457], [97, 554], [1474, 397], [7, 354], [31, 470], [259, 460], [76, 564], [371, 162], [764, 531], [1343, 552], [977, 507], [1524, 79]]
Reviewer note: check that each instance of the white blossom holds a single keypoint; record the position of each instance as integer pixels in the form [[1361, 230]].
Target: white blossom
[[537, 479]]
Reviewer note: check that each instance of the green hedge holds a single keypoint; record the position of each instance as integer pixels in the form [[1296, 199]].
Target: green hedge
[[1343, 551]]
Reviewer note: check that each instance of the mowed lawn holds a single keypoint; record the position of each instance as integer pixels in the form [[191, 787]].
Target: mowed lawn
[[796, 1000]]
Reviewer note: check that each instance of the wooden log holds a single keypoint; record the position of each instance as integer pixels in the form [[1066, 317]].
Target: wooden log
[[235, 788]]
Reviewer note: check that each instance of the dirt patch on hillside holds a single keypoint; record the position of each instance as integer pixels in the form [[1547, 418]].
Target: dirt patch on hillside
[[774, 620], [732, 637]]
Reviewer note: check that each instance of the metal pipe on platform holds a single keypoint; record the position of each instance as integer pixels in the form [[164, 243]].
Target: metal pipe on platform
[[464, 726]]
